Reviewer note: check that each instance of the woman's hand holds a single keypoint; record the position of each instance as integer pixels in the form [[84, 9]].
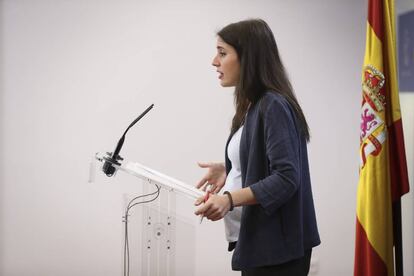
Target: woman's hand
[[215, 176], [215, 208]]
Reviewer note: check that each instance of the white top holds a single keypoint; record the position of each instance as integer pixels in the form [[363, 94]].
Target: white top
[[233, 182]]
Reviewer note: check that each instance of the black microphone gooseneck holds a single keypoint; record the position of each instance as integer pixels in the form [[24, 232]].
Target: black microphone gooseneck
[[113, 158]]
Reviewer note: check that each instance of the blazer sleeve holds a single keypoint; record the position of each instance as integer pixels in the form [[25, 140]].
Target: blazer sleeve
[[282, 150]]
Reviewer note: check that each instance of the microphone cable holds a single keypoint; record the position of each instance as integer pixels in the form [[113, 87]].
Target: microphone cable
[[131, 204]]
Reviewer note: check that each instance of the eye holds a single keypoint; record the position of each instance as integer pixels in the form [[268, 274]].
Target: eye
[[222, 54]]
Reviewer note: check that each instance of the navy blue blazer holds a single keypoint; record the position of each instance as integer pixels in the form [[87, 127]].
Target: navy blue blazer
[[274, 164]]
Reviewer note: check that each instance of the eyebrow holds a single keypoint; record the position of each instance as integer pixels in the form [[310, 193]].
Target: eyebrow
[[220, 47]]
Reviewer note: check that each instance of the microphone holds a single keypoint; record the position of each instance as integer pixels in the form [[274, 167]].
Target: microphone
[[114, 158]]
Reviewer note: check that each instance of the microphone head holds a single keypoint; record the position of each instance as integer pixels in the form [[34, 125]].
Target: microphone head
[[109, 167]]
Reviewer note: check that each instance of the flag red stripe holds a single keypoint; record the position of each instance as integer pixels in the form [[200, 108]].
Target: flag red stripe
[[375, 17], [367, 261], [398, 163]]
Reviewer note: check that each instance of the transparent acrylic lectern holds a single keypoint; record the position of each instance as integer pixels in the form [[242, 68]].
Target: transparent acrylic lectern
[[162, 242]]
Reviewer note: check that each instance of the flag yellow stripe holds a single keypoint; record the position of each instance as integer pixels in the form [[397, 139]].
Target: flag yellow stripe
[[373, 50], [374, 210]]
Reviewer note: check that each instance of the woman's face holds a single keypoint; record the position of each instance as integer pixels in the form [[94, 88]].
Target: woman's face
[[227, 63]]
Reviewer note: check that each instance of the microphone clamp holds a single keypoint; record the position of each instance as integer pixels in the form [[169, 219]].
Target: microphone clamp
[[111, 163]]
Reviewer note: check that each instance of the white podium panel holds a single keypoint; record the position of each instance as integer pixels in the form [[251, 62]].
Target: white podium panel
[[168, 238]]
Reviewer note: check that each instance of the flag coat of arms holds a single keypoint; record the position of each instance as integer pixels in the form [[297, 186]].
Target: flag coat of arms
[[383, 170]]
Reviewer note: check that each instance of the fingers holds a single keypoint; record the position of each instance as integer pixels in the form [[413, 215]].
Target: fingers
[[216, 188], [215, 216], [210, 211], [206, 208], [213, 208], [202, 209], [218, 185], [215, 175], [204, 164], [202, 182], [206, 186], [205, 179], [199, 201]]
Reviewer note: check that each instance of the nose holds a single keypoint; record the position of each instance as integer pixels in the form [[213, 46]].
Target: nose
[[215, 62]]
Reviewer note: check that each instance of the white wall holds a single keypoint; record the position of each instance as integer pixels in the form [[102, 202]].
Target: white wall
[[407, 206], [75, 73]]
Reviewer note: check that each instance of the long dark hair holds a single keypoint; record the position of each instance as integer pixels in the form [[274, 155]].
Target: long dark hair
[[261, 69]]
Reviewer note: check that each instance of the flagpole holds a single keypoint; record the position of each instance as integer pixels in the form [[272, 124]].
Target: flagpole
[[398, 245]]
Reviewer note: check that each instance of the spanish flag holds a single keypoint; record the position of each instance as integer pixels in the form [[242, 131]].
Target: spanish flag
[[383, 173]]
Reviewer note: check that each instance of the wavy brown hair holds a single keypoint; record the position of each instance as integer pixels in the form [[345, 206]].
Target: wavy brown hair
[[261, 69]]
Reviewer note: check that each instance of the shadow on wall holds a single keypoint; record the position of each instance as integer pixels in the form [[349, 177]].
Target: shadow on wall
[[406, 51], [1, 131]]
